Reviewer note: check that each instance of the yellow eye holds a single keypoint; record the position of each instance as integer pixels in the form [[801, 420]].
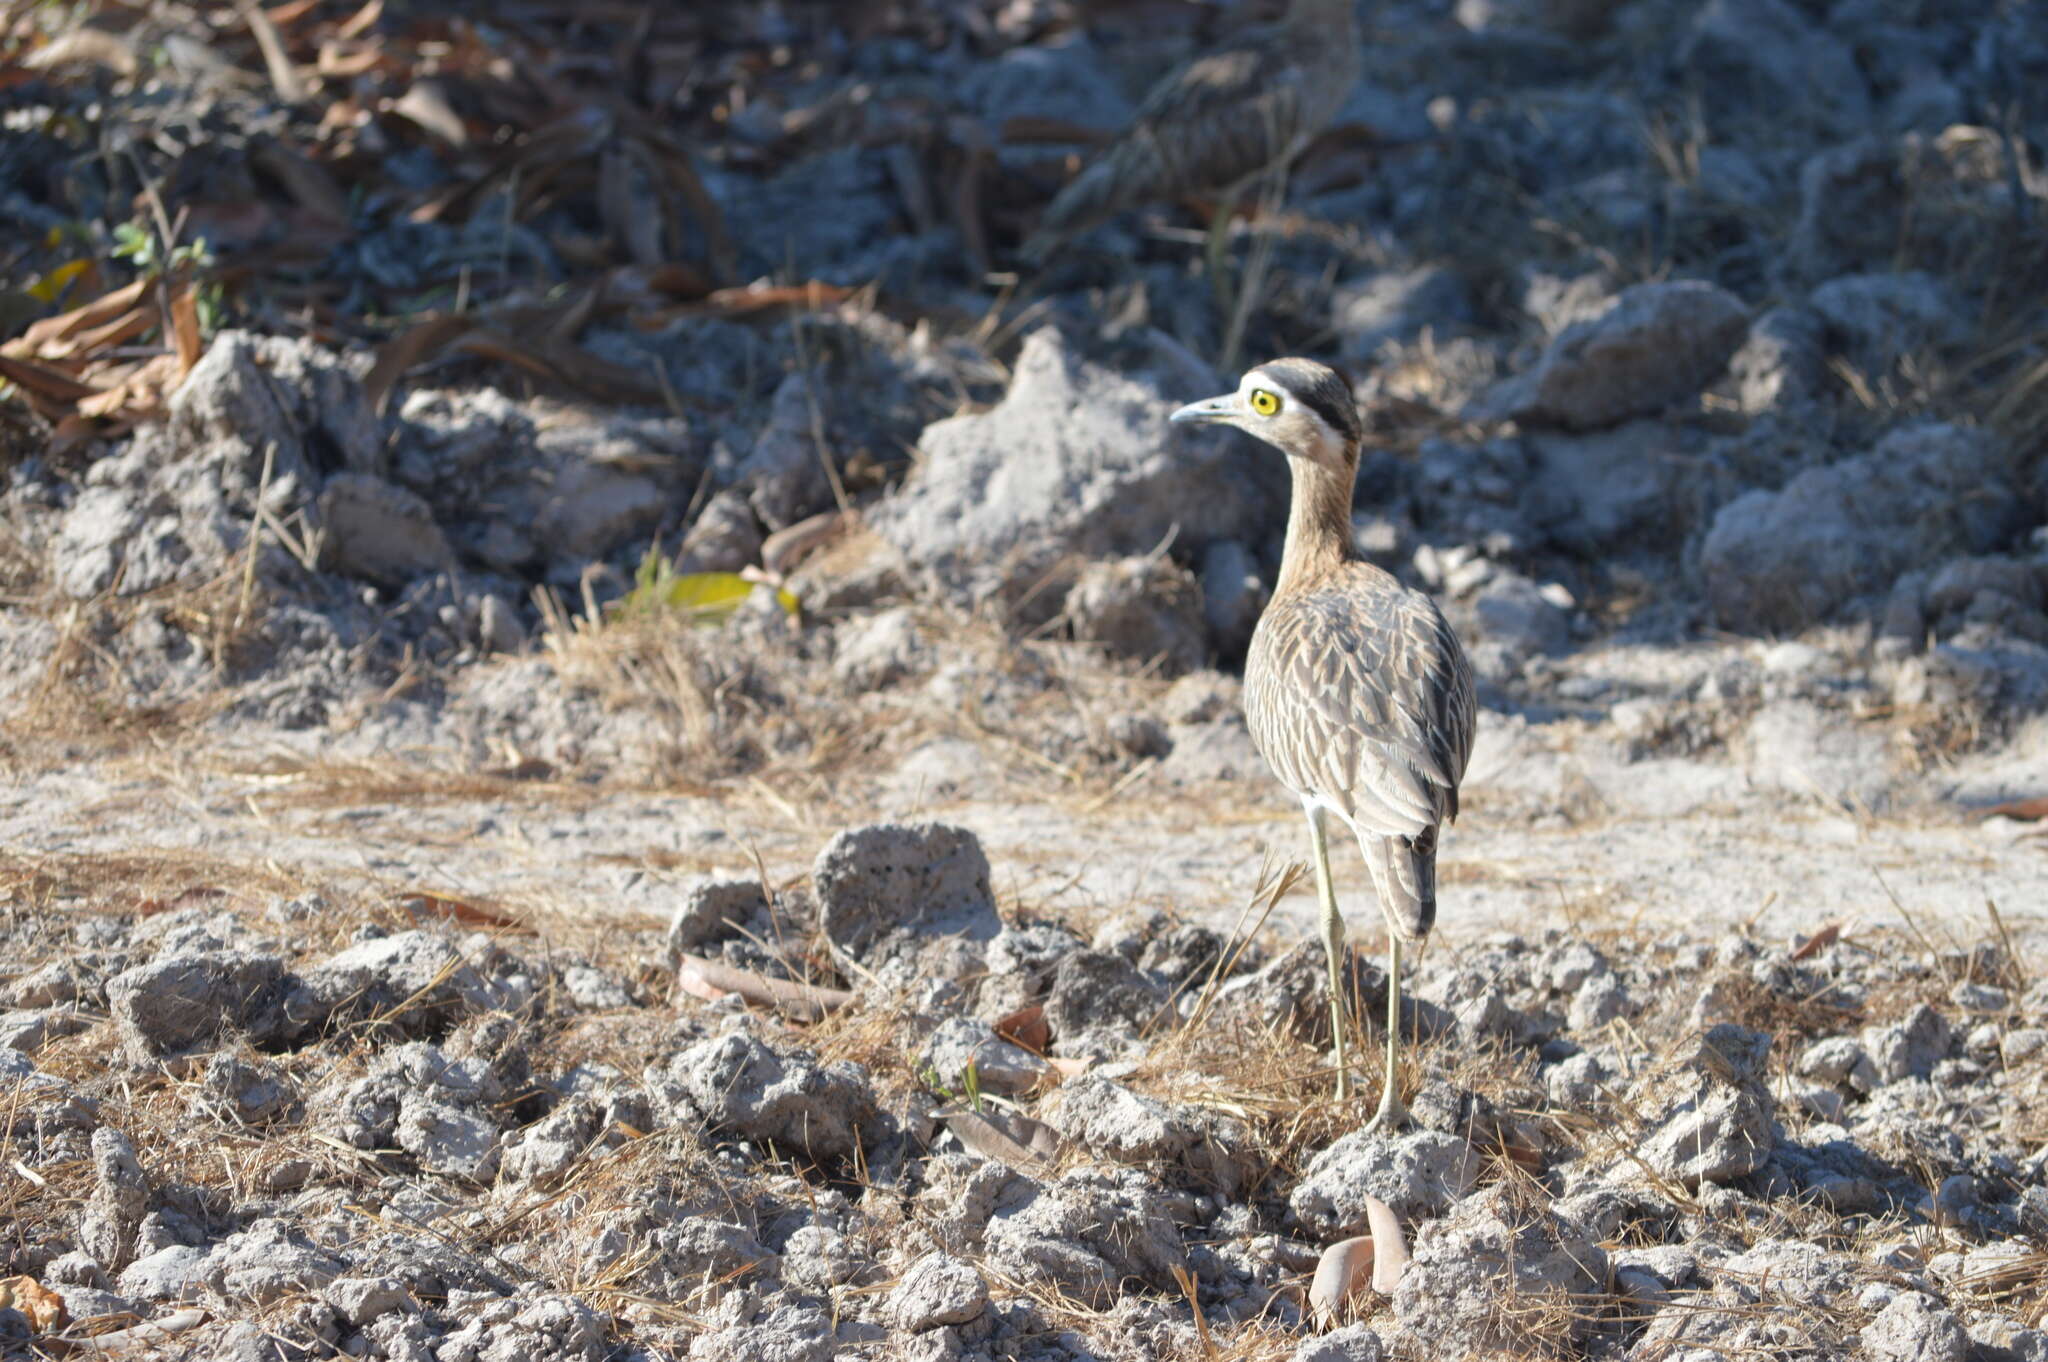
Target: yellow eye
[[1265, 402]]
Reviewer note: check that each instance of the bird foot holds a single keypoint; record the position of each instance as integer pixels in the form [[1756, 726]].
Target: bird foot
[[1391, 1117]]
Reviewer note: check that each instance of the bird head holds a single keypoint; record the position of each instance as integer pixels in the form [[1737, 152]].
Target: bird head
[[1298, 406]]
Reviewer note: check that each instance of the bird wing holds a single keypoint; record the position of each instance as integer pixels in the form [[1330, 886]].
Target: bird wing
[[1357, 692]]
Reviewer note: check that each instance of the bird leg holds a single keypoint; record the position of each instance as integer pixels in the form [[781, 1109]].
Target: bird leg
[[1333, 945], [1393, 1111]]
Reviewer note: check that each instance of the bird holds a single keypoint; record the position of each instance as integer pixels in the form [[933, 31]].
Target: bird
[[1356, 690], [1217, 124]]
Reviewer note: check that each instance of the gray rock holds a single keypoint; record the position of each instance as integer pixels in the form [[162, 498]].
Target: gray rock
[[713, 909], [1658, 344], [1575, 1083], [1877, 318], [1234, 593], [1840, 1061], [1352, 1343], [175, 1273], [181, 1002], [1781, 363], [1595, 490], [244, 1092], [1099, 994], [374, 530], [1076, 460], [1141, 608], [548, 1147], [1088, 1232], [880, 650], [449, 1139], [724, 537], [1801, 748], [1910, 1047], [912, 898], [1108, 1118], [1915, 1328], [938, 1290], [51, 985], [737, 1084], [424, 973], [1418, 1174], [596, 506], [1512, 619], [29, 1030], [269, 1261], [1397, 305], [1497, 1246], [999, 1065], [120, 1195], [544, 1329], [1707, 1112], [1761, 64], [358, 1300], [785, 473], [1777, 561]]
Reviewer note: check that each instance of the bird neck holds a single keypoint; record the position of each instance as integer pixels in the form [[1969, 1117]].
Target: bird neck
[[1318, 523]]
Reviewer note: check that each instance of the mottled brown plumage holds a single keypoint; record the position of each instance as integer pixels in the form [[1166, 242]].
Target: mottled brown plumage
[[1218, 122], [1356, 690]]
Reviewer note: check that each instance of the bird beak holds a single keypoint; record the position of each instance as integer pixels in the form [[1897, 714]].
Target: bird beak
[[1224, 408]]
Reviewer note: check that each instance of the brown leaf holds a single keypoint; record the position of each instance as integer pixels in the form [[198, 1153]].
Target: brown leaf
[[361, 21], [2022, 810], [43, 1307], [84, 47], [1827, 936], [284, 77], [1342, 1275], [459, 910], [710, 980], [184, 898], [96, 313], [48, 390], [185, 328], [137, 394], [416, 345], [285, 15], [1026, 1026], [425, 103], [561, 363]]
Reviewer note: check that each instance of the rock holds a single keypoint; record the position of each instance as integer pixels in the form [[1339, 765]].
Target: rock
[[545, 1329], [1109, 1119], [1877, 318], [1352, 1343], [447, 1138], [1707, 1112], [1840, 1061], [1234, 594], [269, 1261], [1076, 460], [1601, 489], [29, 1030], [1781, 363], [423, 972], [712, 909], [880, 650], [182, 1002], [1088, 1232], [244, 1092], [1911, 1047], [785, 473], [938, 1290], [1418, 1174], [1145, 609], [170, 1274], [1778, 561], [1915, 1328], [999, 1065], [1803, 749], [547, 1148], [358, 1300], [1101, 995], [1658, 344], [724, 537], [1397, 305], [1760, 63], [738, 1085], [120, 1195], [378, 532], [907, 900], [596, 506], [1983, 999], [1495, 1247], [1512, 619]]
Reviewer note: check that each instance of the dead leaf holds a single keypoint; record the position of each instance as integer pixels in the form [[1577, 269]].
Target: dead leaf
[[1390, 1246], [185, 328], [2022, 810], [425, 103], [1026, 1027], [84, 47], [184, 898], [43, 1307], [1012, 1139], [710, 980], [459, 910], [361, 21], [284, 77], [85, 317], [1827, 936], [416, 345], [1342, 1275]]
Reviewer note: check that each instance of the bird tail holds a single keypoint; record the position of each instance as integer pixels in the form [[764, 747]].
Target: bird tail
[[1404, 871]]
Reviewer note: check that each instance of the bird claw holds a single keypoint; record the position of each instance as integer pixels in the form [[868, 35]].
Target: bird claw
[[1392, 1115]]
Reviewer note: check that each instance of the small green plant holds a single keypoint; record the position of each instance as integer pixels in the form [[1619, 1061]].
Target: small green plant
[[136, 243], [705, 597], [970, 1080]]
